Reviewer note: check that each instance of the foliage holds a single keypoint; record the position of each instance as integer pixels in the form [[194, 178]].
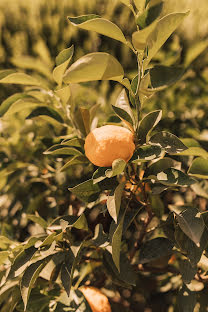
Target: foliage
[[132, 229]]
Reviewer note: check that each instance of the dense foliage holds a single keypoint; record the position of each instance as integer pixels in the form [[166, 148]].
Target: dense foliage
[[138, 230]]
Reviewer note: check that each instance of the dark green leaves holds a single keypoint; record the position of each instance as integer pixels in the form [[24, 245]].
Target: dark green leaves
[[172, 176], [163, 76], [149, 15], [86, 191], [186, 300], [114, 201], [192, 224], [62, 61], [147, 124], [155, 249], [96, 23], [147, 153], [30, 276], [168, 141], [46, 111]]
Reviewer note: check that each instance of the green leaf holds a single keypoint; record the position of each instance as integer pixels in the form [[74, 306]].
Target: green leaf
[[147, 153], [187, 271], [149, 15], [46, 111], [140, 37], [186, 299], [5, 105], [155, 249], [86, 191], [6, 72], [194, 151], [30, 276], [20, 78], [165, 27], [64, 94], [116, 242], [75, 160], [199, 168], [99, 175], [194, 51], [168, 141], [100, 25], [77, 142], [94, 66], [118, 167], [100, 239], [114, 201], [172, 176], [126, 276], [65, 278], [147, 124], [159, 166], [192, 224], [62, 61], [61, 149], [192, 251], [37, 219], [21, 262], [23, 105], [163, 76], [123, 110]]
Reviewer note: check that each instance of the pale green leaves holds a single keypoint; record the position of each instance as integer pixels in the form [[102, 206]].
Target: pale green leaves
[[100, 25], [94, 66], [19, 78], [164, 28], [62, 61], [140, 37]]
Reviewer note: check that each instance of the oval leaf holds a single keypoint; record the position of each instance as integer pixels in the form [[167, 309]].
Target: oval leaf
[[98, 24], [168, 141], [147, 124], [94, 66], [199, 168]]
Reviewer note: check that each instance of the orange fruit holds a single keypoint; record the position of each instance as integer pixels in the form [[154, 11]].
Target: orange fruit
[[97, 300], [105, 144]]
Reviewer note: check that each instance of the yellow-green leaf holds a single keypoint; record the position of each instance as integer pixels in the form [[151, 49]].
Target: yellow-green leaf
[[94, 66], [98, 24]]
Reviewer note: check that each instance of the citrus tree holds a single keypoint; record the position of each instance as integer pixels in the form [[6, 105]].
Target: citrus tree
[[130, 227]]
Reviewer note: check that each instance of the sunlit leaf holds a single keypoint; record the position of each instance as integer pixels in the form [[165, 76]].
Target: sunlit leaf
[[96, 23]]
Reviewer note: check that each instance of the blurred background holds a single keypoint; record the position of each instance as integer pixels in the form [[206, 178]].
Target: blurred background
[[32, 33]]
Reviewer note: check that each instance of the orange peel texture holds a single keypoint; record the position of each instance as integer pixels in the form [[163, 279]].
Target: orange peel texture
[[97, 300], [105, 144]]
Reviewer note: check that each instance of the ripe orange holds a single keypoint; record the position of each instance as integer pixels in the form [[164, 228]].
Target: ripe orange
[[105, 144], [97, 300]]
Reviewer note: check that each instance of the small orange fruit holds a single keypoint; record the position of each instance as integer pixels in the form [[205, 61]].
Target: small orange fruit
[[97, 300], [105, 144]]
